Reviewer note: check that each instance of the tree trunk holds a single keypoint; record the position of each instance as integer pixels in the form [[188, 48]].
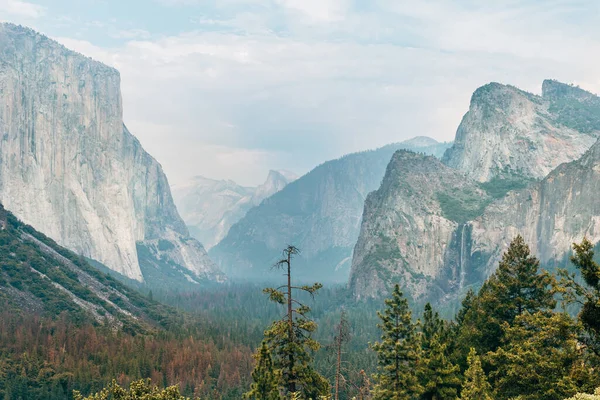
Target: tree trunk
[[292, 382], [338, 370]]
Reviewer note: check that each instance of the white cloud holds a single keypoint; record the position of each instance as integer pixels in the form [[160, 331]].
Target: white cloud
[[233, 105], [318, 10], [21, 9], [132, 34]]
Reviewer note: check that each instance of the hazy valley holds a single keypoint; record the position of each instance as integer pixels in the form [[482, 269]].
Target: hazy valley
[[465, 246]]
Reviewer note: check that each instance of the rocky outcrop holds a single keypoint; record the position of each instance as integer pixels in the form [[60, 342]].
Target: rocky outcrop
[[412, 229], [70, 168], [529, 153], [550, 215], [508, 132], [210, 207], [320, 213]]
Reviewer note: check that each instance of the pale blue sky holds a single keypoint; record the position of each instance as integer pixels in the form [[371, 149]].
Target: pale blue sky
[[232, 88]]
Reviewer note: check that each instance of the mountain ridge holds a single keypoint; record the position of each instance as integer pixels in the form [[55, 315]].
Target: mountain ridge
[[508, 132], [320, 213], [210, 207], [38, 276], [513, 202], [71, 168]]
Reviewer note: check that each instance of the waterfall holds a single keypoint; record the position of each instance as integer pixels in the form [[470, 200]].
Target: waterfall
[[462, 259]]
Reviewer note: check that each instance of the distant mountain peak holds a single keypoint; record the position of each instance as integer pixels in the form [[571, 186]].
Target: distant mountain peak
[[288, 175], [210, 207], [420, 141], [320, 213]]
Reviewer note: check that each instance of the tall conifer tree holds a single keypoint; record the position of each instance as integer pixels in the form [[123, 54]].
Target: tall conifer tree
[[588, 295], [476, 385], [516, 287], [265, 377], [438, 377], [540, 359], [290, 339], [396, 352]]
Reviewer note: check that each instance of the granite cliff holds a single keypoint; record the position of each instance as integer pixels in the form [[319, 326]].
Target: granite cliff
[[521, 164], [510, 133], [411, 226], [71, 169], [320, 213]]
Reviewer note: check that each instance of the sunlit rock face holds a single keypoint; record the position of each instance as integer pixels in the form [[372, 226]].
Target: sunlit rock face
[[70, 168], [413, 228], [521, 164], [551, 215], [509, 132]]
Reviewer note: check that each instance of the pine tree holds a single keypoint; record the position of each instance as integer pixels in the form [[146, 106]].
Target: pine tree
[[138, 390], [587, 296], [290, 339], [519, 286], [516, 287], [438, 377], [342, 336], [540, 358], [475, 386], [264, 377], [432, 326], [396, 352]]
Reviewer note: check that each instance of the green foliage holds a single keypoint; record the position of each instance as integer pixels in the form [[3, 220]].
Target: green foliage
[[588, 294], [585, 396], [462, 205], [138, 390], [44, 277], [582, 115], [396, 352], [432, 327], [516, 287], [539, 359], [46, 359], [439, 378], [265, 378], [499, 186], [290, 339], [529, 351], [475, 385]]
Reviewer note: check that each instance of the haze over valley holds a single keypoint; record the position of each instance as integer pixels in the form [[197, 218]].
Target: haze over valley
[[304, 206]]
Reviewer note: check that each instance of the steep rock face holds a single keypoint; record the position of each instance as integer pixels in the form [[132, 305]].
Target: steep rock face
[[550, 215], [320, 213], [210, 207], [70, 168], [411, 226], [508, 132]]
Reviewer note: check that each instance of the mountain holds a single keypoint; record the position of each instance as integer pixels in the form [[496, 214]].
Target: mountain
[[550, 215], [438, 228], [508, 132], [320, 213], [70, 168], [409, 225], [40, 277], [210, 207]]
